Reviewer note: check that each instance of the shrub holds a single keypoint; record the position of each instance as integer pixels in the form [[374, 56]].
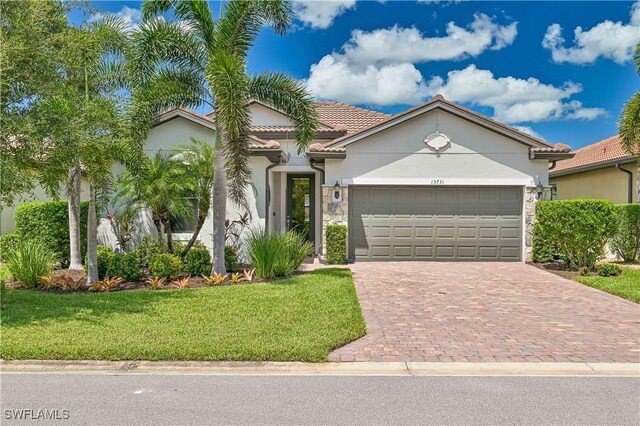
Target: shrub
[[8, 242], [231, 259], [626, 241], [609, 270], [49, 223], [277, 254], [123, 265], [104, 257], [166, 265], [336, 236], [148, 249], [178, 246], [198, 262], [579, 228], [29, 260], [544, 248]]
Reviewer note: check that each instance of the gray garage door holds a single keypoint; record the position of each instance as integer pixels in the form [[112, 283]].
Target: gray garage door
[[435, 223]]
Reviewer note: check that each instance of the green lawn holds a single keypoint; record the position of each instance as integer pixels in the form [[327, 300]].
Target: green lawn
[[626, 285], [297, 319]]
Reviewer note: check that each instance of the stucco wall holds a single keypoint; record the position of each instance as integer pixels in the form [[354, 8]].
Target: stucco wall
[[608, 183], [474, 153]]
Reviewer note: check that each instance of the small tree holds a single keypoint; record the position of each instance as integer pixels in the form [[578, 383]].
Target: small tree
[[162, 185]]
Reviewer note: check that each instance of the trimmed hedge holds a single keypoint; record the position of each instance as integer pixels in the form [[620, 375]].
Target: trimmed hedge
[[123, 265], [166, 265], [48, 222], [626, 241], [579, 229], [336, 236], [198, 262]]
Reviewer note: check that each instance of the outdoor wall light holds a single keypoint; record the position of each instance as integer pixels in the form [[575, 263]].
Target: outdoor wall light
[[539, 190], [336, 191]]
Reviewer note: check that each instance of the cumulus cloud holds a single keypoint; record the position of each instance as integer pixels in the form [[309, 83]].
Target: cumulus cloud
[[611, 40], [378, 68], [514, 100], [131, 16], [321, 13]]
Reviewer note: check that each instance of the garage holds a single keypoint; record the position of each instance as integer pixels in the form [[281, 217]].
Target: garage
[[435, 223]]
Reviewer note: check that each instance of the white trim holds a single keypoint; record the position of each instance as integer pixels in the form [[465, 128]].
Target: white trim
[[439, 181], [294, 169], [474, 118]]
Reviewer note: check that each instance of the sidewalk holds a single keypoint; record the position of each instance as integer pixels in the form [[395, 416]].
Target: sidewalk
[[321, 369]]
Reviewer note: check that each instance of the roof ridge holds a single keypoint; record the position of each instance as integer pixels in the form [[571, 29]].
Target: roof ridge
[[354, 107], [603, 141]]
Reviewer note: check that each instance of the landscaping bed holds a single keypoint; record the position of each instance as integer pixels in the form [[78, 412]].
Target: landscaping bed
[[301, 318]]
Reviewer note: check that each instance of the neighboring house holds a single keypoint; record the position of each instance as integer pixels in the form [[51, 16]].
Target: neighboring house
[[436, 182], [601, 170]]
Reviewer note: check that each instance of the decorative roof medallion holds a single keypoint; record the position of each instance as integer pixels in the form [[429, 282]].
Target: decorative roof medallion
[[437, 140]]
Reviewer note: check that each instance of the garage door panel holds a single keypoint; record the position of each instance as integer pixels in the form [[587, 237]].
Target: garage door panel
[[435, 223]]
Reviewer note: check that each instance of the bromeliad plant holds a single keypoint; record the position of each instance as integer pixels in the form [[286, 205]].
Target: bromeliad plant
[[248, 274], [237, 277], [181, 283], [107, 284], [156, 282], [216, 278]]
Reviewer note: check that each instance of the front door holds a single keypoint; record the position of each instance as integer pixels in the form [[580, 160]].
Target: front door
[[301, 204]]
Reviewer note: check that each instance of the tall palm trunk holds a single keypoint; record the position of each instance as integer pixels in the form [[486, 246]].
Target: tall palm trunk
[[219, 206], [92, 238], [73, 193]]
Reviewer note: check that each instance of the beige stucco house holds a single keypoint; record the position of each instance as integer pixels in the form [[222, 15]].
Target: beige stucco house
[[602, 170], [436, 182]]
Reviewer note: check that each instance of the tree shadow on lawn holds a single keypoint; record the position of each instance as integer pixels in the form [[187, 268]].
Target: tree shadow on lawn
[[24, 307]]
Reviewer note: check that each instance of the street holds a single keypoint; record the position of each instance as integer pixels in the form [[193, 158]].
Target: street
[[224, 399]]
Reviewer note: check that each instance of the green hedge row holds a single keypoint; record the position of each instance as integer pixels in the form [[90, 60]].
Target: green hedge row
[[578, 230], [48, 222], [336, 236]]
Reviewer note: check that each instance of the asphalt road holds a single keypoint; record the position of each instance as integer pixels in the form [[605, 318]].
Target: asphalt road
[[198, 399]]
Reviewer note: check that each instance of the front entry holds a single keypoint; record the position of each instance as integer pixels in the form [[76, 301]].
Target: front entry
[[301, 204]]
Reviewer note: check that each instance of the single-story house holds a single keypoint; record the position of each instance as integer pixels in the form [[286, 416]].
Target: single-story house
[[435, 182], [602, 170]]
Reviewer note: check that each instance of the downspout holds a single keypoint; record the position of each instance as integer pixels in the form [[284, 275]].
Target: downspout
[[629, 183], [553, 165], [312, 164]]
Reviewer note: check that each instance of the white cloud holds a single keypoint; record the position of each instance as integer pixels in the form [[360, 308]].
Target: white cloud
[[398, 44], [611, 40], [513, 100], [131, 17], [528, 130], [385, 85], [321, 13]]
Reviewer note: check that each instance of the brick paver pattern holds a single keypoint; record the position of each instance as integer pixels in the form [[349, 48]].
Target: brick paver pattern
[[487, 312]]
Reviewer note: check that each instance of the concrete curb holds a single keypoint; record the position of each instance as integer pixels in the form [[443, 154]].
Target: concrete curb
[[322, 369]]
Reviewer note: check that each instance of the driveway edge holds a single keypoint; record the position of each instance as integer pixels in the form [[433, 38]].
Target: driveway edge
[[320, 369]]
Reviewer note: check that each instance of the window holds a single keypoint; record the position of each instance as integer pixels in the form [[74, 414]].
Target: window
[[554, 191], [186, 225]]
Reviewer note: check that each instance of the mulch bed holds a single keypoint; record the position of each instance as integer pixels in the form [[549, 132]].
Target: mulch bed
[[557, 267], [140, 285]]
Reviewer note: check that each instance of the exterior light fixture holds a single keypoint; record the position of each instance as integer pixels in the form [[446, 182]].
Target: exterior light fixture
[[336, 191], [539, 190]]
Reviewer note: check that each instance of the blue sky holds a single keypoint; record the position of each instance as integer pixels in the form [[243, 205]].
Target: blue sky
[[562, 70]]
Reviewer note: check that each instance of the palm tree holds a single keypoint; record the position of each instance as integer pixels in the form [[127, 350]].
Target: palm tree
[[200, 61], [199, 158], [630, 119], [629, 126], [163, 186]]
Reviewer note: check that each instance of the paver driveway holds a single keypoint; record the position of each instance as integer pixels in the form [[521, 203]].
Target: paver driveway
[[487, 312]]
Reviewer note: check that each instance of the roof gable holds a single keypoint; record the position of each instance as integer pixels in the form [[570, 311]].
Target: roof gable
[[438, 102]]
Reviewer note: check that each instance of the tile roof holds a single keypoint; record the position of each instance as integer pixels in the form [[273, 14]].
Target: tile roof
[[559, 147], [606, 150], [348, 117]]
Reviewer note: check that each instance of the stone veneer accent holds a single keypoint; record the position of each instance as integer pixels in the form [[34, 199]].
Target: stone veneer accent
[[529, 220], [336, 213]]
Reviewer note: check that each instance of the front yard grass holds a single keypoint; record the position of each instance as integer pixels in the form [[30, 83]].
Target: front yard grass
[[301, 318], [626, 285]]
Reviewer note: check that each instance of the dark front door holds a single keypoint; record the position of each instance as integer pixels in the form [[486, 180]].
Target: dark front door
[[301, 204]]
